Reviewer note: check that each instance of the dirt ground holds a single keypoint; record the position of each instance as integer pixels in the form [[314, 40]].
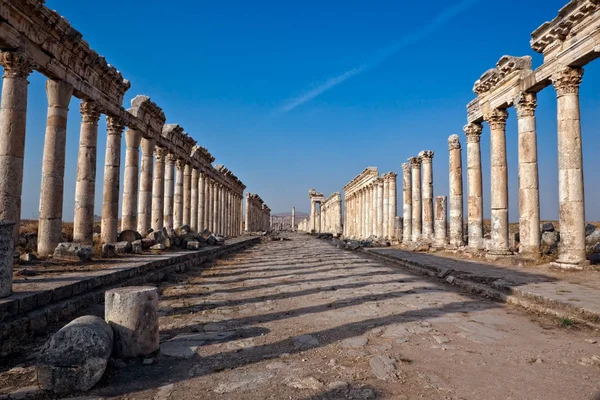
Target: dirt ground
[[300, 319]]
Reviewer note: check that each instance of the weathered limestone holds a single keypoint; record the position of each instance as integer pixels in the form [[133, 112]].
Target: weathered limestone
[[194, 215], [386, 208], [440, 240], [132, 312], [316, 199], [201, 202], [133, 139], [169, 191], [144, 217], [187, 194], [75, 357], [178, 198], [158, 189], [391, 178], [215, 209], [415, 164], [110, 194], [570, 169], [13, 114], [407, 203], [499, 182], [6, 258], [427, 194], [474, 179], [258, 214], [529, 196], [293, 218], [53, 166], [379, 184], [456, 193], [331, 213], [85, 187]]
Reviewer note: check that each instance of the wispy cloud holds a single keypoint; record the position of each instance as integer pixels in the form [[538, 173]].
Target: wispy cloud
[[383, 54]]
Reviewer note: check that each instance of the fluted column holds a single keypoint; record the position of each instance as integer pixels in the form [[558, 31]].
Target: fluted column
[[375, 207], [169, 191], [187, 194], [456, 192], [407, 203], [427, 194], [417, 221], [440, 222], [130, 181], [158, 189], [201, 202], [379, 188], [178, 198], [210, 201], [247, 215], [529, 194], [110, 193], [144, 218], [53, 166], [13, 116], [499, 181], [85, 186], [194, 200], [474, 181], [392, 205], [570, 169], [215, 227]]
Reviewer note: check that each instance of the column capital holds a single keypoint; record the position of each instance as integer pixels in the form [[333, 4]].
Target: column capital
[[496, 118], [406, 167], [90, 112], [16, 64], [180, 163], [453, 142], [415, 162], [161, 153], [114, 126], [473, 132], [171, 157], [426, 156], [567, 80], [525, 103]]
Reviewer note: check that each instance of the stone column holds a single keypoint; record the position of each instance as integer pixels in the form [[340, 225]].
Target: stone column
[[313, 216], [386, 208], [319, 219], [53, 166], [13, 116], [293, 219], [247, 216], [210, 186], [178, 198], [407, 203], [368, 211], [375, 206], [392, 205], [221, 225], [440, 222], [529, 195], [130, 180], [215, 227], [499, 182], [415, 164], [570, 169], [427, 194], [158, 189], [475, 202], [380, 233], [85, 187], [110, 193], [194, 200], [169, 191], [201, 202], [456, 192], [144, 218], [187, 194]]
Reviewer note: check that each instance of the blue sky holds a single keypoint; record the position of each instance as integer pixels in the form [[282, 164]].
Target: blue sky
[[291, 96]]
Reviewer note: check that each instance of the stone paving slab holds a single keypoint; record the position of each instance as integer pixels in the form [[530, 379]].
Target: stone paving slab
[[545, 287]]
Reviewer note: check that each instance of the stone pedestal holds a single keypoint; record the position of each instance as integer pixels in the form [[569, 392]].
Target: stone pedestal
[[13, 116], [6, 258], [110, 193], [158, 189], [455, 238], [132, 312], [53, 166], [415, 164], [169, 191], [427, 194], [440, 240], [85, 187], [130, 180], [474, 180], [144, 217], [407, 203], [571, 252]]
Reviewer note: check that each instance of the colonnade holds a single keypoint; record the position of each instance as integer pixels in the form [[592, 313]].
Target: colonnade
[[258, 214], [331, 214]]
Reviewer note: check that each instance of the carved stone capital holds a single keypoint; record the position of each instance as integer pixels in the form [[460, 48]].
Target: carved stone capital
[[90, 112], [406, 167], [496, 118], [567, 80], [160, 153], [473, 132], [180, 164], [426, 156], [415, 162], [525, 104], [16, 64], [171, 158], [453, 142], [114, 126]]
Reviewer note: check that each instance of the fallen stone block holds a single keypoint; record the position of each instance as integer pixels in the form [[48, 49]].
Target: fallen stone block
[[548, 227], [73, 252], [158, 246], [205, 234], [123, 247], [108, 250], [75, 357], [193, 245], [136, 247], [132, 312], [156, 236], [182, 231], [129, 235]]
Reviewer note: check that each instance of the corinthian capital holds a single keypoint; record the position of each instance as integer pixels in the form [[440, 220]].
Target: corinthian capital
[[426, 156], [406, 167], [496, 118], [160, 153], [16, 64], [90, 112], [415, 162], [473, 132], [453, 142], [526, 104], [567, 80], [114, 125], [180, 164]]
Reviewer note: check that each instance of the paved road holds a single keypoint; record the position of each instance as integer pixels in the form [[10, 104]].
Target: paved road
[[300, 319]]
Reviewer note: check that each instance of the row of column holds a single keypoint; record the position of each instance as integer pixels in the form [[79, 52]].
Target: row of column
[[331, 215], [371, 210], [258, 215]]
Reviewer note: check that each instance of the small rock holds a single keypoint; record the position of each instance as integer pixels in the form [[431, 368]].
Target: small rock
[[591, 341], [193, 245], [384, 368], [158, 246], [355, 342], [305, 383], [305, 342], [28, 257], [547, 227], [123, 247], [338, 385], [182, 349], [589, 229], [149, 361], [441, 339], [119, 364], [136, 247], [108, 250]]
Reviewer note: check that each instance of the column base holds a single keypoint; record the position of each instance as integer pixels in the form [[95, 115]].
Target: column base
[[568, 266], [500, 252]]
